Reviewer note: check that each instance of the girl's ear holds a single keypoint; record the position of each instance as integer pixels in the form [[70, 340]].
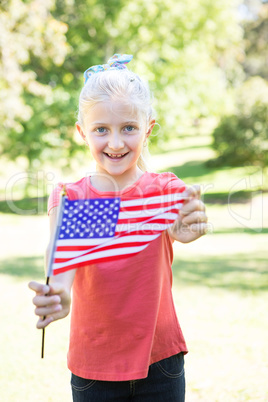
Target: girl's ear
[[81, 132], [150, 128]]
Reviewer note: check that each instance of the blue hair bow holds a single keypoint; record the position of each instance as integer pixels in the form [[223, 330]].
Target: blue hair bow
[[116, 62]]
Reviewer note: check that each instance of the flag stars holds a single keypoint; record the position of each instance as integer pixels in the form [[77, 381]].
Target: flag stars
[[89, 218]]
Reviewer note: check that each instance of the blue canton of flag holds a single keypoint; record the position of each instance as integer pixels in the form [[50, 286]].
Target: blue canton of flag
[[96, 218]]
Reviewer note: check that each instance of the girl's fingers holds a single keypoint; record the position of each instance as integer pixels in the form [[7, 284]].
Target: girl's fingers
[[193, 191], [199, 228], [41, 301], [192, 206], [56, 288], [195, 217], [39, 288], [42, 323], [52, 302], [46, 311]]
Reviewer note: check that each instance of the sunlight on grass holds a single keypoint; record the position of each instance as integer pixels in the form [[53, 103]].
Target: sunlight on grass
[[226, 334], [23, 235], [25, 377]]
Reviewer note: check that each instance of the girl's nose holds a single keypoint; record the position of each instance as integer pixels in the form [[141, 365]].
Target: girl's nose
[[115, 142]]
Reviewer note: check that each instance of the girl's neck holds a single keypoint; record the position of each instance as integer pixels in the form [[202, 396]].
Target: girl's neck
[[106, 183]]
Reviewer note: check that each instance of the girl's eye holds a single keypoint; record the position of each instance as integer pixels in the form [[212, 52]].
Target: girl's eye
[[101, 130], [129, 129]]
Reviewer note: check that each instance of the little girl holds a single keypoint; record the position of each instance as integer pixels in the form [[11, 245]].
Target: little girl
[[125, 339]]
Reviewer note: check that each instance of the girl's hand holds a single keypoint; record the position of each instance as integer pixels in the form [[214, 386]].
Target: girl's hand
[[51, 301], [192, 219]]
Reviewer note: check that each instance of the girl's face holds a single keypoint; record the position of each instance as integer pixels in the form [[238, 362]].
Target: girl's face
[[115, 135]]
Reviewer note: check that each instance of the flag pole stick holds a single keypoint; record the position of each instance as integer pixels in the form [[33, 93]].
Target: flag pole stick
[[51, 254], [43, 330]]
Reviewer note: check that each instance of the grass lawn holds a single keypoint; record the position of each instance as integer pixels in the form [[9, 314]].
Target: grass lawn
[[220, 291]]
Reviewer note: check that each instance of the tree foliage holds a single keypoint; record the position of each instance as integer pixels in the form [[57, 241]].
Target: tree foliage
[[32, 43], [189, 51], [242, 137], [256, 44]]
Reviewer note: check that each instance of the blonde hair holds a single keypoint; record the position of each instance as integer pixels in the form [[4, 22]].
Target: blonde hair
[[114, 85]]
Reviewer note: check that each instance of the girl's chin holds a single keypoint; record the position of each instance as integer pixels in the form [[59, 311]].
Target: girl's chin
[[117, 171]]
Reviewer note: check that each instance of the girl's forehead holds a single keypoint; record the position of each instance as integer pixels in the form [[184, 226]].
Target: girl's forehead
[[113, 109]]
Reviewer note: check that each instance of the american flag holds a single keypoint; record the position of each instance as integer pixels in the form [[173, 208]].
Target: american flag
[[104, 229]]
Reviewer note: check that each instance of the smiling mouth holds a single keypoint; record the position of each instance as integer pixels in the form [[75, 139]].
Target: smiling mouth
[[116, 156]]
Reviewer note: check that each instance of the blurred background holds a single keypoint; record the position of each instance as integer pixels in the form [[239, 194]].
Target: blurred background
[[207, 65]]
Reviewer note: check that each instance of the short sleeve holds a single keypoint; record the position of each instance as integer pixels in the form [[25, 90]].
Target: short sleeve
[[54, 198], [173, 183]]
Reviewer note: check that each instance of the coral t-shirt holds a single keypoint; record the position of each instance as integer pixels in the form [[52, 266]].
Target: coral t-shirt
[[123, 317]]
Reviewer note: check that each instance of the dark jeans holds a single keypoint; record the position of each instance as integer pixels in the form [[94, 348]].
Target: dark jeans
[[165, 383]]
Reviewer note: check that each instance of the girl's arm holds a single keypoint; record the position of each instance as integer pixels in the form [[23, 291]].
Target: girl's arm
[[192, 219], [53, 300]]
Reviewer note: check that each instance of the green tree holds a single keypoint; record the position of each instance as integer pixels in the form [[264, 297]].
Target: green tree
[[180, 47], [188, 51], [32, 42], [256, 43], [242, 136]]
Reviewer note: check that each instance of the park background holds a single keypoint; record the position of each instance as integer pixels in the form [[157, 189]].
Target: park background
[[207, 64]]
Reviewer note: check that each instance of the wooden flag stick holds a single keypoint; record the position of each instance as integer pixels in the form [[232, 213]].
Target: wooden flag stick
[[51, 254], [43, 330]]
